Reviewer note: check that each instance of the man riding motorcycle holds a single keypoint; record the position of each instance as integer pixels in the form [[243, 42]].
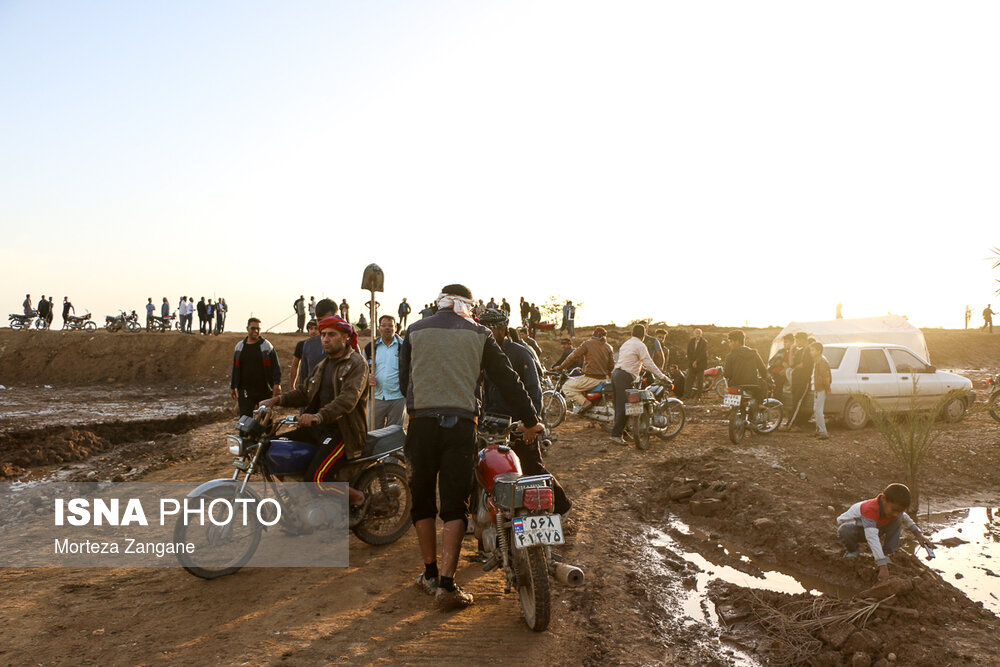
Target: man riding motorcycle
[[598, 362], [744, 368]]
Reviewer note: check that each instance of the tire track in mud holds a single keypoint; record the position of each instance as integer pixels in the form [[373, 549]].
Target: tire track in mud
[[54, 445]]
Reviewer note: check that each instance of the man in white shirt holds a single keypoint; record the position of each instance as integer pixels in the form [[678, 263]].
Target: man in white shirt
[[633, 358]]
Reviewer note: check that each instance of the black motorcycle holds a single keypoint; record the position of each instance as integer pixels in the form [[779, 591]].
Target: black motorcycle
[[80, 322]]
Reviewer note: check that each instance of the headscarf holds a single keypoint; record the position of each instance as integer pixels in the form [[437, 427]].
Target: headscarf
[[459, 304], [340, 324]]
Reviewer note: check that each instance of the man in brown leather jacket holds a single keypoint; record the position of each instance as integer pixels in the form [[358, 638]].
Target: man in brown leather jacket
[[335, 397]]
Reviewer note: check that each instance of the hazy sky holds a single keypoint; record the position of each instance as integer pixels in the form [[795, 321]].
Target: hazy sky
[[723, 162]]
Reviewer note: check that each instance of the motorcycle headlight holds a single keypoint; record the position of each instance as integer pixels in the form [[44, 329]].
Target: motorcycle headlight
[[236, 448]]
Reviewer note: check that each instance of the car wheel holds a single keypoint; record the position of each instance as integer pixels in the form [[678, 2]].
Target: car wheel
[[854, 416], [953, 411]]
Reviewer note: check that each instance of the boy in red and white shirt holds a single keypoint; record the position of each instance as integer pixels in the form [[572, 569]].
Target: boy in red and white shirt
[[877, 518]]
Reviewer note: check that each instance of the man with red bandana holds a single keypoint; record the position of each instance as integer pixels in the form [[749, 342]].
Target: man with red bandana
[[335, 397]]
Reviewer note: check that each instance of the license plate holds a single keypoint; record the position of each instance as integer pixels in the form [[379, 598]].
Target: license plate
[[732, 400], [530, 531], [632, 409]]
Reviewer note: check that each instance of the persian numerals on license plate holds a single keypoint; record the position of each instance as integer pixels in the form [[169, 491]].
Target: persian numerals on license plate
[[632, 409], [732, 400], [539, 529]]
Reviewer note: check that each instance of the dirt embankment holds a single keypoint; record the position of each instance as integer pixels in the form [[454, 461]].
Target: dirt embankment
[[78, 358]]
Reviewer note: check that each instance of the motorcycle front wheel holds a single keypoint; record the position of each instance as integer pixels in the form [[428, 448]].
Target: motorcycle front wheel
[[639, 425], [533, 587], [41, 324], [674, 416], [553, 408], [16, 324], [230, 547], [133, 326], [388, 515], [721, 387], [90, 326], [737, 426], [994, 405]]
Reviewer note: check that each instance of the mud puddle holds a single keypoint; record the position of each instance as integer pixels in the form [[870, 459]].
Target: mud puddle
[[967, 551], [23, 408], [697, 572]]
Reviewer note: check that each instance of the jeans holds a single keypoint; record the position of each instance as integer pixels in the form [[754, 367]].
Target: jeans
[[852, 534], [622, 380], [220, 322], [818, 402]]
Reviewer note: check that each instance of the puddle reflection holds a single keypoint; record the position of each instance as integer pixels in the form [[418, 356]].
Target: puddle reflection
[[967, 551]]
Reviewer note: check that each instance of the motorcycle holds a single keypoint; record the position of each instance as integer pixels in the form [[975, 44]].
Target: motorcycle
[[380, 473], [514, 523], [80, 322], [164, 323], [993, 403], [119, 322], [715, 380], [745, 413], [647, 412], [21, 321]]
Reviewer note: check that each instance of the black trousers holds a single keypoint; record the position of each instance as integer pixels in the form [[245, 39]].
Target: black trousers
[[800, 387], [621, 380], [249, 398], [330, 453], [441, 452], [531, 464]]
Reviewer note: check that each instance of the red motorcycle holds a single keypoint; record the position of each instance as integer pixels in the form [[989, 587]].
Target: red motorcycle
[[515, 525], [78, 322]]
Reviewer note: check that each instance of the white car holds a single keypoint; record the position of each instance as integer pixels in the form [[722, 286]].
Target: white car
[[887, 372]]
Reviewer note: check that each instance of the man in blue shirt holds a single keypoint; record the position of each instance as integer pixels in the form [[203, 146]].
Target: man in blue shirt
[[387, 408]]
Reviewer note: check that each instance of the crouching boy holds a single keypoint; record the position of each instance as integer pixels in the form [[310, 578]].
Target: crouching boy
[[882, 517]]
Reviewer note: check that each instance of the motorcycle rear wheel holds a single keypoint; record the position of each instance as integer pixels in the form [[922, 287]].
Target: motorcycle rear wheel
[[639, 425], [133, 326], [16, 324], [213, 536], [737, 426], [533, 587], [553, 408], [768, 419], [390, 523], [41, 324], [994, 405]]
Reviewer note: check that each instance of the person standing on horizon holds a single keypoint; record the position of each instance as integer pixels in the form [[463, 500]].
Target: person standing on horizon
[[67, 306], [404, 312], [220, 315], [299, 306], [968, 315], [697, 354], [840, 315], [988, 317], [27, 305], [165, 308], [150, 309], [505, 307], [569, 319], [201, 315], [344, 311]]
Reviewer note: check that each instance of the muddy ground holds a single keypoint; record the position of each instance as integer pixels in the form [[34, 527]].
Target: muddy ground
[[634, 521]]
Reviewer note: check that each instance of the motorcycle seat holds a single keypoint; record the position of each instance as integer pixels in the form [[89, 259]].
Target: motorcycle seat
[[383, 440]]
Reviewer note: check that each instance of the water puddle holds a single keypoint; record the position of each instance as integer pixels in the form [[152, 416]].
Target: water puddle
[[967, 551]]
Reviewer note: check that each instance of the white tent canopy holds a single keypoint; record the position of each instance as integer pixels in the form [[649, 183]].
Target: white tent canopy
[[887, 329]]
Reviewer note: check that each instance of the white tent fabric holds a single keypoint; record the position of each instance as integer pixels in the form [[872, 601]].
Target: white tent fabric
[[887, 329]]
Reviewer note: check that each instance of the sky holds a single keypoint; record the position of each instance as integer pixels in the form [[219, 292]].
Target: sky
[[726, 162]]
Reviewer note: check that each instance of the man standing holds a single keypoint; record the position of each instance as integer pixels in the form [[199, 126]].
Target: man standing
[[150, 309], [987, 316], [534, 317], [598, 363], [43, 310], [335, 401], [697, 354], [165, 308], [299, 306], [655, 350], [802, 368], [821, 380], [67, 306], [633, 358], [345, 311], [525, 311], [968, 315], [780, 363], [220, 315], [50, 313], [389, 401], [505, 307], [404, 312], [182, 313], [312, 308], [440, 365], [202, 314], [210, 311], [256, 371], [28, 310], [569, 317], [494, 403], [840, 309]]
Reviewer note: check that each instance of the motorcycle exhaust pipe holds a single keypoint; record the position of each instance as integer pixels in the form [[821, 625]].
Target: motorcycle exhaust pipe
[[567, 575]]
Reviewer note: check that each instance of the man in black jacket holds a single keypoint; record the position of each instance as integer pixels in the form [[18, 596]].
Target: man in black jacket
[[802, 368], [202, 315], [744, 368], [697, 354], [440, 364]]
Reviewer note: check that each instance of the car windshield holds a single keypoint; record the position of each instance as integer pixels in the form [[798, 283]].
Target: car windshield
[[834, 355]]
